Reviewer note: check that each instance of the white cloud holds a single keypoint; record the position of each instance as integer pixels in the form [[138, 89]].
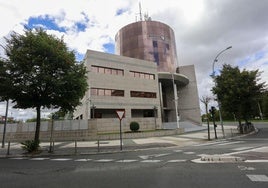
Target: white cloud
[[202, 27]]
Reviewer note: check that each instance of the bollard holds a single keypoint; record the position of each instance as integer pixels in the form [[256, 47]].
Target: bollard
[[8, 148]]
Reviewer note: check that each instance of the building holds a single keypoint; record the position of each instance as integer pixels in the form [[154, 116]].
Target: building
[[144, 79]]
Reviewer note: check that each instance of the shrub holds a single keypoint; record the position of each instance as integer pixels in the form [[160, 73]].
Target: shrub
[[30, 145], [134, 126]]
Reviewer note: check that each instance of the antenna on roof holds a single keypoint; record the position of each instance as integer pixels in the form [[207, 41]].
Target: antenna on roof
[[140, 11]]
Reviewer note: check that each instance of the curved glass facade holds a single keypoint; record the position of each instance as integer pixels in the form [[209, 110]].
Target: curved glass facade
[[148, 40]]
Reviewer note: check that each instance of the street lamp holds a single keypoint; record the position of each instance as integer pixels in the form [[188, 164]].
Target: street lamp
[[213, 76]]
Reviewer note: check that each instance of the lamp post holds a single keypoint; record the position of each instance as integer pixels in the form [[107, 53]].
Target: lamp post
[[213, 76]]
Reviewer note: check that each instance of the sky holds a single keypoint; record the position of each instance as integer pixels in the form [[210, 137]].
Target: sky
[[202, 29]]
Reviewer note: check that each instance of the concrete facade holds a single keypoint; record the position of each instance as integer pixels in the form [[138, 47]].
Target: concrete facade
[[136, 85]]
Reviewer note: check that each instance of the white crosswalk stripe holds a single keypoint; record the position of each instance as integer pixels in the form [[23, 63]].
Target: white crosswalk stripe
[[177, 161], [82, 160], [104, 160], [38, 159], [61, 159], [151, 161], [126, 161]]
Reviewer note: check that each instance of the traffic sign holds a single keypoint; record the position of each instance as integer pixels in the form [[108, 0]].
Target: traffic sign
[[120, 114]]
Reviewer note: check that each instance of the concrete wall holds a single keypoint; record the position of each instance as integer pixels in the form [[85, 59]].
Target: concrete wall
[[94, 129], [188, 102]]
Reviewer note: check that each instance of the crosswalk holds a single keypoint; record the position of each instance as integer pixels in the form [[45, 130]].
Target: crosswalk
[[219, 143], [102, 160]]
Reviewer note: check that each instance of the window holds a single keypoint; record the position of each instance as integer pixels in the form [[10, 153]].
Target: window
[[106, 70], [142, 75], [142, 94], [107, 92]]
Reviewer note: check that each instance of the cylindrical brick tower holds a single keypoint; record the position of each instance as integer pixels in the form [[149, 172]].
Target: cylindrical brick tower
[[149, 40]]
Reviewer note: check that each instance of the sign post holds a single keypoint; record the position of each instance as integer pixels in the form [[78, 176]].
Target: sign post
[[120, 115]]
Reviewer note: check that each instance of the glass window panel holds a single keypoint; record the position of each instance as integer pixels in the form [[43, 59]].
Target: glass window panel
[[151, 76], [108, 92], [108, 71], [114, 71], [94, 69], [101, 92], [94, 91], [147, 76], [101, 70], [132, 74]]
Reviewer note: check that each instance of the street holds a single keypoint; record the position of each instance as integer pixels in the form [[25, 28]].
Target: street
[[159, 167]]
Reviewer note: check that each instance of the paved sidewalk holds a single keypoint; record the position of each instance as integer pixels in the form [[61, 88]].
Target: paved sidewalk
[[193, 135]]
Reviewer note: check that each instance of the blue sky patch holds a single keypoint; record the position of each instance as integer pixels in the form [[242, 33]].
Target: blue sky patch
[[45, 22], [109, 48], [80, 26], [78, 56], [120, 11]]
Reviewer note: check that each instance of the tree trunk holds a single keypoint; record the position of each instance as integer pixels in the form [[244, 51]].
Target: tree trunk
[[38, 124]]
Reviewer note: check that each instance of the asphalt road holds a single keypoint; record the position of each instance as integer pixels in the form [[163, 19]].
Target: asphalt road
[[162, 167]]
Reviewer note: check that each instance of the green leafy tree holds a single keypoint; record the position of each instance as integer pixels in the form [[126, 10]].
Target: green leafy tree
[[238, 90], [43, 73]]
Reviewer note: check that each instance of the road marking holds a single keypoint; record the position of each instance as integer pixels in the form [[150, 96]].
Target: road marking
[[18, 158], [177, 161], [126, 161], [104, 160], [151, 161], [61, 159], [258, 178], [209, 143], [229, 143], [242, 148], [177, 151], [257, 161], [246, 168], [189, 153], [82, 160], [38, 159], [153, 156]]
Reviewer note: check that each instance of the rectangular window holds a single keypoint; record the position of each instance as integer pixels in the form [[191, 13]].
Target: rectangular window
[[94, 69], [94, 91], [155, 44], [107, 70], [101, 92], [142, 94], [108, 92], [119, 93], [142, 75]]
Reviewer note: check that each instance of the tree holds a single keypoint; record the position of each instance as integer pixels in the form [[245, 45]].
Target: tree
[[238, 90], [43, 73]]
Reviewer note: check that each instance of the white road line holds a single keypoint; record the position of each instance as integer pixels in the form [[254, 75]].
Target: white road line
[[257, 178], [104, 160], [151, 161], [38, 159], [82, 160], [126, 161], [209, 143], [241, 148], [257, 161], [61, 159], [18, 158], [177, 151], [189, 153], [229, 143], [177, 161]]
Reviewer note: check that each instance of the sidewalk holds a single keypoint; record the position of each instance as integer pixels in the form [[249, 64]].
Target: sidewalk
[[192, 135]]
